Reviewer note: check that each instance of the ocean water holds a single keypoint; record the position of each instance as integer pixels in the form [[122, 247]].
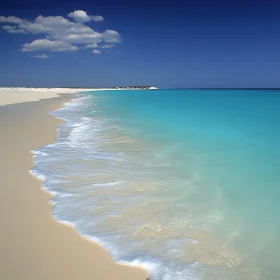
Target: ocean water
[[185, 183]]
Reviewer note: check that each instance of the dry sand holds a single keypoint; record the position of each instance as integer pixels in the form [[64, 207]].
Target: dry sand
[[33, 246], [19, 95]]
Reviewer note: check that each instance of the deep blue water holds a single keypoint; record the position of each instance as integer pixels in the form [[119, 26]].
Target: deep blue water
[[183, 182]]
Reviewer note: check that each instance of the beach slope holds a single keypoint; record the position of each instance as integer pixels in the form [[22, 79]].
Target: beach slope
[[33, 245]]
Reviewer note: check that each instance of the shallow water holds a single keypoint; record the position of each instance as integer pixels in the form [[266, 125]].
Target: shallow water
[[182, 182]]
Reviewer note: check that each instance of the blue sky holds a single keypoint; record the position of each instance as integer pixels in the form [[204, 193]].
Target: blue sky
[[168, 43]]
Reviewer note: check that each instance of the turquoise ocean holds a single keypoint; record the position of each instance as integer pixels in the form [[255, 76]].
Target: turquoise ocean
[[185, 183]]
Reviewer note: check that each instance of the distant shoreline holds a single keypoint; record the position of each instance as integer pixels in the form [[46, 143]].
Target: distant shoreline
[[132, 87], [83, 88], [10, 95]]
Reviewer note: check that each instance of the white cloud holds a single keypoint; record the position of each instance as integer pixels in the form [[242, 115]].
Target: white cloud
[[93, 37], [13, 29], [56, 22], [9, 27], [48, 45], [97, 18], [111, 36], [96, 52], [78, 28], [16, 31], [35, 28], [107, 46], [91, 46], [80, 16], [11, 19], [58, 34], [43, 56], [48, 25]]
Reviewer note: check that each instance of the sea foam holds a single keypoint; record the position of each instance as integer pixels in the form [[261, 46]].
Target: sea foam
[[58, 165]]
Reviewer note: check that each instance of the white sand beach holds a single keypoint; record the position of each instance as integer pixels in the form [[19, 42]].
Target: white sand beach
[[33, 244]]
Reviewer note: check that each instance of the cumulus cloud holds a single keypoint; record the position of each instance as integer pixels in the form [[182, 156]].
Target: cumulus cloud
[[16, 31], [80, 16], [91, 46], [96, 52], [107, 46], [43, 56], [13, 29], [11, 19], [59, 33], [97, 18], [111, 36], [83, 38], [9, 27], [48, 45]]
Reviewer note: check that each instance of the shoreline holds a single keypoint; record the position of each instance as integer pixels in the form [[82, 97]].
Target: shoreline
[[92, 259], [13, 95], [66, 223]]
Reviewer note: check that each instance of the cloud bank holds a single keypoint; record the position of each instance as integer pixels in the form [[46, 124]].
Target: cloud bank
[[59, 34]]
